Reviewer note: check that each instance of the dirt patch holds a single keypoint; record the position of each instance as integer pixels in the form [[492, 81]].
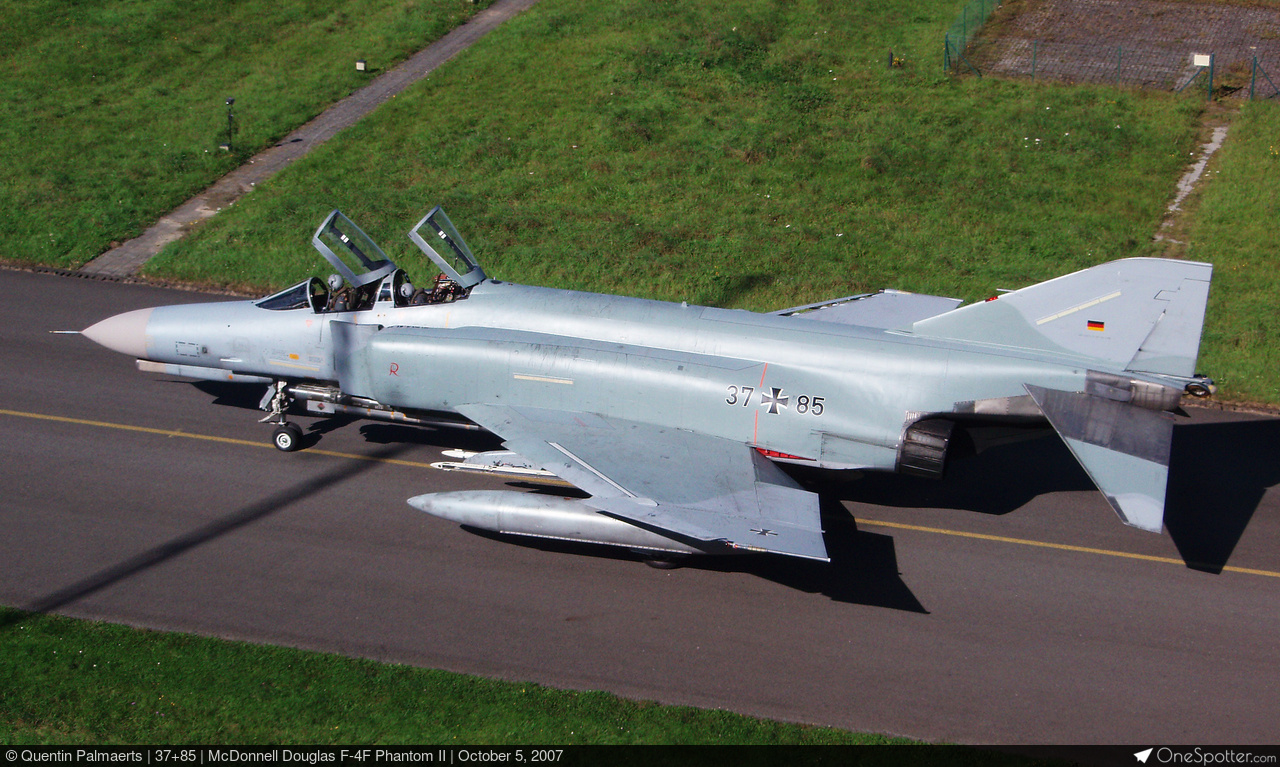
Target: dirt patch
[[1148, 43]]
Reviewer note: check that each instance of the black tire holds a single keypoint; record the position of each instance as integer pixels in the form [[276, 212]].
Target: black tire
[[664, 564], [287, 438]]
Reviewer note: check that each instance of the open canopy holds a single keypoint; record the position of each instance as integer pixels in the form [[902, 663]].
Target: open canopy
[[350, 251], [453, 257]]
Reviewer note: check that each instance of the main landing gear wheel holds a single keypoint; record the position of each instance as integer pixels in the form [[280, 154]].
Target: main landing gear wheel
[[663, 563], [287, 437]]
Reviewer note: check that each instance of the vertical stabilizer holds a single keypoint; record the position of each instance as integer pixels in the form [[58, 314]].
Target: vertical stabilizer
[[1144, 312]]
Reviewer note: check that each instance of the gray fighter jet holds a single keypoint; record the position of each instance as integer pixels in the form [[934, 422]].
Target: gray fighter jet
[[674, 418]]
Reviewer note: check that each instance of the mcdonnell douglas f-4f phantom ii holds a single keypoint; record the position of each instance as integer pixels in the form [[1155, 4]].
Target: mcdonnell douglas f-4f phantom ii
[[674, 418]]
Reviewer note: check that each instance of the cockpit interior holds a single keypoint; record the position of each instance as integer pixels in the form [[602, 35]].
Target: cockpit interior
[[365, 277]]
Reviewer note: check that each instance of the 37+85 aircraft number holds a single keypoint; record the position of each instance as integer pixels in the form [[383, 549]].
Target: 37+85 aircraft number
[[775, 400]]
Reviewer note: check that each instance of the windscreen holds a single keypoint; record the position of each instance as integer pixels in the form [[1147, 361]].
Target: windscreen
[[296, 297]]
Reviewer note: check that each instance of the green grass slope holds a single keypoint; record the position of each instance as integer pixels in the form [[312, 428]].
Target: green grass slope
[[751, 154], [1235, 229], [111, 112]]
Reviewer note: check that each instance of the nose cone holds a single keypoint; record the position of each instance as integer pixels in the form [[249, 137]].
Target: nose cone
[[125, 333]]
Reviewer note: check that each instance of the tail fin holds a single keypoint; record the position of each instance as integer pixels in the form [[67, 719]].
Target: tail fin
[[1139, 314]]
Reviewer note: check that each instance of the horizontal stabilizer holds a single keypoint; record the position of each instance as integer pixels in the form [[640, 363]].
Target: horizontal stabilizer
[[1123, 448]]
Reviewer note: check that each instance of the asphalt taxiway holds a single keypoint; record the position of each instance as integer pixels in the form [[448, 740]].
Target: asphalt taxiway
[[1005, 604]]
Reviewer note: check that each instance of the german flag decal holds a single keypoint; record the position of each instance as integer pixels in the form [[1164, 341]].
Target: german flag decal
[[1095, 325]]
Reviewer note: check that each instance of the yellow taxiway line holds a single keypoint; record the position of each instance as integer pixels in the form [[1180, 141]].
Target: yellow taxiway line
[[205, 437], [416, 464]]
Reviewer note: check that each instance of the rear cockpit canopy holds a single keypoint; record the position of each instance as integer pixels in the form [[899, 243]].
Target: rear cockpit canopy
[[454, 257]]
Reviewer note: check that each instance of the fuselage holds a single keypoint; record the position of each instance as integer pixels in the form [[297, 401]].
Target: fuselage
[[809, 391], [655, 408]]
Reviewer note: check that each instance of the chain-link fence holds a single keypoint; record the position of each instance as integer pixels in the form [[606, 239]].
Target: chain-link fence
[[964, 29], [1074, 62], [1240, 73], [1219, 51]]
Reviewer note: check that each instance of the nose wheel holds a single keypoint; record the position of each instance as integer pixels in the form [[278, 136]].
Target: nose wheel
[[287, 437]]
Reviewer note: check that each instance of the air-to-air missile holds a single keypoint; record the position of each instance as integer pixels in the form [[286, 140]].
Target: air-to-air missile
[[675, 419]]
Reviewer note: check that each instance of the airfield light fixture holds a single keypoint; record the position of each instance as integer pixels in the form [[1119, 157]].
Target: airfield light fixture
[[361, 65], [230, 123]]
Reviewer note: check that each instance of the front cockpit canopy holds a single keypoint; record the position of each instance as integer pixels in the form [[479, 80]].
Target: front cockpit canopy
[[350, 251]]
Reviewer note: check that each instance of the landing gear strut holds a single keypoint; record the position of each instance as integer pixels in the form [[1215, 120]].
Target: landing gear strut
[[287, 436]]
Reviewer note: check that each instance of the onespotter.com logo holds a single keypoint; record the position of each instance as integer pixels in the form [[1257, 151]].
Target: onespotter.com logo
[[1198, 755]]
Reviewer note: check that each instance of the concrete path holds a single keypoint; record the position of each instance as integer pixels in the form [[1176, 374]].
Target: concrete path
[[1173, 230], [129, 258]]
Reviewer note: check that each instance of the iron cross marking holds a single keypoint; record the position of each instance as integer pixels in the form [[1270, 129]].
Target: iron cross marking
[[774, 400], [762, 531]]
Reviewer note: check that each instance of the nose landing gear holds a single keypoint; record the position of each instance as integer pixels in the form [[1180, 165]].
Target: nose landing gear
[[287, 436]]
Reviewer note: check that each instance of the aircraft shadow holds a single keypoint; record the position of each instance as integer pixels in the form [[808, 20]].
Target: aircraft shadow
[[1218, 473], [996, 481], [863, 568], [726, 289], [460, 439], [237, 395]]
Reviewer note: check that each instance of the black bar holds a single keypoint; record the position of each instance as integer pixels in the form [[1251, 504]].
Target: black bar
[[646, 756]]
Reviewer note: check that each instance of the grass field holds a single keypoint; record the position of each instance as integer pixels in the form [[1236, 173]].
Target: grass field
[[111, 113], [759, 155], [69, 681], [1235, 228], [753, 155]]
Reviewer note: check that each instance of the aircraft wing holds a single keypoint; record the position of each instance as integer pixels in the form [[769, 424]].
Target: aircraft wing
[[678, 483]]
